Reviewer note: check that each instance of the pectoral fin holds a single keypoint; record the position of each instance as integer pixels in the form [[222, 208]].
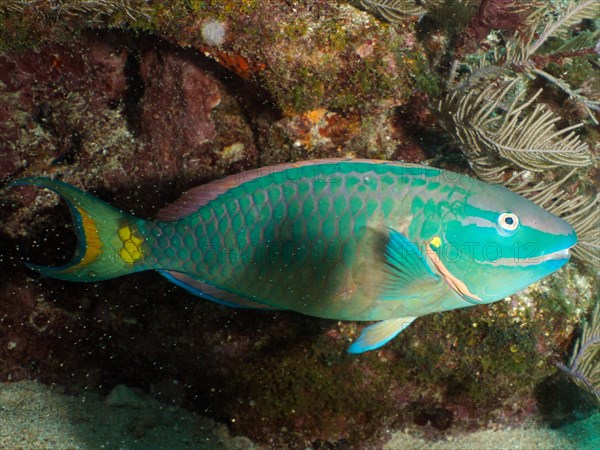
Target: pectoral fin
[[376, 335], [407, 273]]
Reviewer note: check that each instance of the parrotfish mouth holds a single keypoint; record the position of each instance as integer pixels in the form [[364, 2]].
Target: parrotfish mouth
[[558, 255]]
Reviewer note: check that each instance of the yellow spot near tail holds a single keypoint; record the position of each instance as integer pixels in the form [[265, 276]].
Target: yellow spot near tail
[[132, 245]]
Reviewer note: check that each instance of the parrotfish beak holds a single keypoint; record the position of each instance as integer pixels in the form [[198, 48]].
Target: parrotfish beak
[[558, 256], [564, 245]]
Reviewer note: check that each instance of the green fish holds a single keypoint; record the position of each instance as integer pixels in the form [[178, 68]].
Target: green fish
[[341, 239]]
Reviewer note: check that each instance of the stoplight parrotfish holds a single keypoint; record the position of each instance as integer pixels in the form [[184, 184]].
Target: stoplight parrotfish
[[341, 239]]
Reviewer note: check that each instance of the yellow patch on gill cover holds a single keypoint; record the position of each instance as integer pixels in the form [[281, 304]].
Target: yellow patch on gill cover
[[132, 245], [93, 245], [436, 242]]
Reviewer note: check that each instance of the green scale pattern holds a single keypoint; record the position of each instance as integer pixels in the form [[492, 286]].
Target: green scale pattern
[[306, 239]]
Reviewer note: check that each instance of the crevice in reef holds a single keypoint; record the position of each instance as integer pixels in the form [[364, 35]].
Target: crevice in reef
[[256, 105], [68, 155], [134, 92], [561, 402]]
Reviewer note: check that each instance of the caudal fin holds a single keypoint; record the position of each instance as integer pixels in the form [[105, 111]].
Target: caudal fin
[[109, 243]]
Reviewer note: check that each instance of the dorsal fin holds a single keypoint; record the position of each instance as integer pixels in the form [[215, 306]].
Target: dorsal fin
[[197, 197]]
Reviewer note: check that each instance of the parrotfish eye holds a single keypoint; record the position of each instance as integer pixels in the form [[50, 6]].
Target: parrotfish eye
[[508, 221]]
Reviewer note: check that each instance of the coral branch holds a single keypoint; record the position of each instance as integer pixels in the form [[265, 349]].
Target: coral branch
[[574, 13], [584, 365], [506, 15]]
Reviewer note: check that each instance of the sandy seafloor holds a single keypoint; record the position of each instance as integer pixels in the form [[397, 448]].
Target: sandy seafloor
[[35, 416]]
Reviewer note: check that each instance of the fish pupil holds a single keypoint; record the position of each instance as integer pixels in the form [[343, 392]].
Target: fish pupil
[[509, 220]]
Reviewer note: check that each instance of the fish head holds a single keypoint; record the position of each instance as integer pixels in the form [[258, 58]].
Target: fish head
[[497, 243]]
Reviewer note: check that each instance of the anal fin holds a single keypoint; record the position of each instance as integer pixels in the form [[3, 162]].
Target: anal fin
[[213, 293], [380, 333]]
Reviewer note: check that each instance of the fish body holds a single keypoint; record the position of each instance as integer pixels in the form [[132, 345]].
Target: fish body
[[340, 239]]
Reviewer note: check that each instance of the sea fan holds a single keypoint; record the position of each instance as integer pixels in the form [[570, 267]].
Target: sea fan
[[584, 364], [456, 12], [489, 121], [588, 103], [574, 12], [586, 220], [90, 7], [524, 50], [394, 10]]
